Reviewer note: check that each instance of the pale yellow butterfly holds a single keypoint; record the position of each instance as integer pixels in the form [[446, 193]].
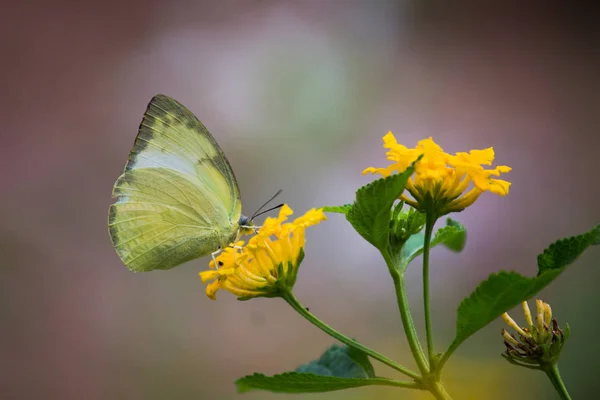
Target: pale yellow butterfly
[[178, 198]]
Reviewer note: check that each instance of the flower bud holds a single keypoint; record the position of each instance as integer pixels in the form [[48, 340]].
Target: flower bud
[[538, 343]]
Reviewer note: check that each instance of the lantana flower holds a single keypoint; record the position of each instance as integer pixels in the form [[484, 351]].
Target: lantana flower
[[538, 343], [441, 182], [268, 263]]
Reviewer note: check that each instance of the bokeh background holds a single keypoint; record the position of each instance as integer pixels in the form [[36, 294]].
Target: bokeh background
[[298, 94]]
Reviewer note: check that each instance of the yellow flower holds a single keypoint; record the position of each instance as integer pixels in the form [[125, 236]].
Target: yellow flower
[[269, 261], [441, 181]]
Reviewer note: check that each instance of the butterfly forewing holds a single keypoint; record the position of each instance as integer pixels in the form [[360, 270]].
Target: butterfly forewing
[[177, 197]]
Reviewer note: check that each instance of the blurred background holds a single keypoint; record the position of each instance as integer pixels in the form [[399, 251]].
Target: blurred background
[[298, 94]]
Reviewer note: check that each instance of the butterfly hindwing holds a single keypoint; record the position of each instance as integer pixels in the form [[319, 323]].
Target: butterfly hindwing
[[177, 197]]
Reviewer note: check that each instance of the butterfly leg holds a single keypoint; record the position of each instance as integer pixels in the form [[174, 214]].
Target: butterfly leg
[[214, 255], [239, 248], [237, 238]]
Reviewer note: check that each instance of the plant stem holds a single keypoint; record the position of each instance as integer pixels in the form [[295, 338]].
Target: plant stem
[[430, 221], [407, 322], [438, 391], [293, 301], [445, 358], [552, 371]]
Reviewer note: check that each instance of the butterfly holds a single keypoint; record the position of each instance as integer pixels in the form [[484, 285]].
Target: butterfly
[[177, 198]]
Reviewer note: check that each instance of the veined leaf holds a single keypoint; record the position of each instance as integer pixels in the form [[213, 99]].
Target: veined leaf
[[339, 367], [294, 382], [370, 214], [564, 251], [504, 290], [341, 361]]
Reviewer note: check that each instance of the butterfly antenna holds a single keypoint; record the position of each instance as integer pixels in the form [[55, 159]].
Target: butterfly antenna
[[258, 212], [270, 209]]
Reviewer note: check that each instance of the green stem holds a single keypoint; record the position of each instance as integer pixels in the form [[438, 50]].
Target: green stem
[[554, 375], [293, 301], [445, 357], [430, 222], [407, 322], [438, 391]]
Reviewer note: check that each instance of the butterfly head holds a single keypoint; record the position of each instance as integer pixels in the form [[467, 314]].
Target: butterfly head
[[246, 225]]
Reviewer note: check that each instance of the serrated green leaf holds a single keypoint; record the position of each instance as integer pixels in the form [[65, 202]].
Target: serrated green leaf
[[504, 290], [453, 236], [294, 382], [371, 211], [340, 361], [564, 251], [338, 209], [498, 293], [339, 367]]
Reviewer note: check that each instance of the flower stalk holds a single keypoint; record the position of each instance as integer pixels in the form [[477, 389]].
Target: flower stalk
[[405, 315], [289, 298], [430, 222], [427, 366], [554, 375]]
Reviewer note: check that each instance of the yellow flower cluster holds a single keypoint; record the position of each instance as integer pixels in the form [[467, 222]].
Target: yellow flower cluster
[[267, 263], [441, 179]]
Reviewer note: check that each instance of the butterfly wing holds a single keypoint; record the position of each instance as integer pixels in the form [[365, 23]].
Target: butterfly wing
[[177, 197]]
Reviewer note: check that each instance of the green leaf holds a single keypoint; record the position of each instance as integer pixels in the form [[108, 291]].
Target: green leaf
[[339, 367], [498, 293], [361, 359], [564, 251], [338, 209], [370, 214], [504, 290], [453, 236], [341, 361], [294, 382]]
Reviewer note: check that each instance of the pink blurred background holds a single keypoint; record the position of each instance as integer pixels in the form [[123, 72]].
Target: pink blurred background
[[298, 94]]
